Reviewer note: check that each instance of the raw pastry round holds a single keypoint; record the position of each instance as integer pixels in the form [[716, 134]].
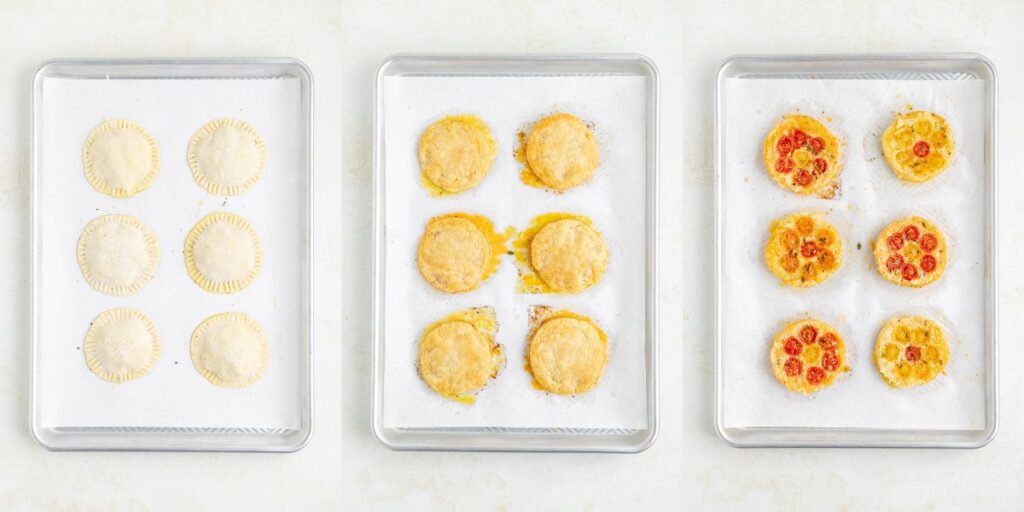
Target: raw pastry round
[[223, 253], [803, 249], [911, 252], [121, 345], [226, 156], [910, 351], [230, 350], [802, 155], [118, 254], [562, 151], [808, 355], [453, 254], [457, 359], [568, 255], [456, 152], [120, 158], [918, 145], [567, 355]]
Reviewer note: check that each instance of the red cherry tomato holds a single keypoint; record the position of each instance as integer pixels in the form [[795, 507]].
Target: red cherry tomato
[[894, 263], [784, 165], [815, 375], [808, 334], [794, 366], [895, 241], [784, 146], [793, 346], [817, 144], [929, 242], [922, 148], [909, 272], [913, 353], [928, 263]]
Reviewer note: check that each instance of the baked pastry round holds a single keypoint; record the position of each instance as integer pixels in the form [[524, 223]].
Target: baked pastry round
[[458, 251], [918, 145], [568, 255], [226, 156], [458, 355], [911, 252], [567, 354], [223, 253], [230, 350], [120, 158], [118, 254], [456, 153], [807, 355], [802, 155], [562, 151], [803, 249], [121, 345], [910, 351]]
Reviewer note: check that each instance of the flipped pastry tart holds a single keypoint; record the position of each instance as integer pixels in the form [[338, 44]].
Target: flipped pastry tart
[[910, 351], [455, 154], [458, 251], [918, 145], [560, 253], [118, 254], [121, 345], [120, 158], [803, 249], [458, 355], [802, 155], [226, 156], [807, 355], [567, 352], [560, 153], [911, 252], [223, 253], [230, 350]]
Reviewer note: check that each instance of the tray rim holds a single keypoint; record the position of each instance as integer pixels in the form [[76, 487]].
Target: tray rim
[[182, 442], [507, 442], [990, 76]]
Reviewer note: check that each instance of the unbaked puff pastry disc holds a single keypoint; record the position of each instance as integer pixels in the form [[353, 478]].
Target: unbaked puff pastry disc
[[226, 156], [122, 345], [223, 253], [230, 350], [118, 254], [120, 158]]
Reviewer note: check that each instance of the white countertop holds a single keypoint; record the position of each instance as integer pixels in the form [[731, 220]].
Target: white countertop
[[343, 466]]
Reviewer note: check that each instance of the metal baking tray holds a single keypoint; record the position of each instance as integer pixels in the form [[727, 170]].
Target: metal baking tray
[[499, 437], [901, 67], [173, 407]]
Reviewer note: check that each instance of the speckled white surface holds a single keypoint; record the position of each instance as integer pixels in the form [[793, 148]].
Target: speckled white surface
[[344, 467]]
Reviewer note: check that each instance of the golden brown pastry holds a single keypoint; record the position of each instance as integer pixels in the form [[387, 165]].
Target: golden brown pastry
[[802, 155], [807, 355]]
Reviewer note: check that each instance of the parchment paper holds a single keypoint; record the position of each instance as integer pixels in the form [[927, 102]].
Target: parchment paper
[[856, 299], [614, 199], [173, 394]]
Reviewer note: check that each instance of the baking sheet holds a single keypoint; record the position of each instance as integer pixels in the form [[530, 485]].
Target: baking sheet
[[856, 300], [173, 394], [614, 199]]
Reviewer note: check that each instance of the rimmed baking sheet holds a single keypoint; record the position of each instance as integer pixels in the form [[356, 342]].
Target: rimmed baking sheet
[[856, 96], [172, 407], [617, 95]]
